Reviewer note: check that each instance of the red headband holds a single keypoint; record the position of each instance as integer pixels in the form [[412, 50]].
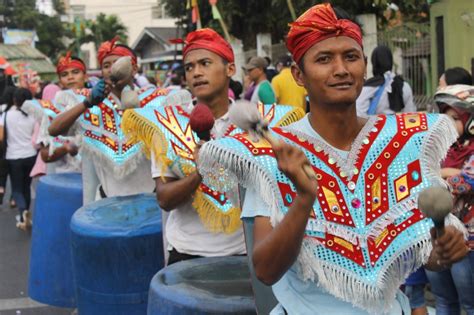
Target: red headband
[[208, 39], [67, 62], [317, 24], [109, 48]]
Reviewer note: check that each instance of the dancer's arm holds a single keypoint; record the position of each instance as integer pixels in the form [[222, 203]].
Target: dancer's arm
[[276, 249], [173, 192], [61, 124]]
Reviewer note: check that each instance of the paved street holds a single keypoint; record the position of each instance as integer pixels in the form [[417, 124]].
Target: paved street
[[14, 259]]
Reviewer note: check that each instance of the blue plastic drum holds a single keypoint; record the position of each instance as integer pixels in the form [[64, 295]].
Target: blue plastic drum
[[204, 286], [117, 247], [58, 196]]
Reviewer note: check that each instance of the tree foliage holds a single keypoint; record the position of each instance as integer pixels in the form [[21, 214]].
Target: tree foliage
[[246, 18], [56, 36], [106, 27], [22, 14]]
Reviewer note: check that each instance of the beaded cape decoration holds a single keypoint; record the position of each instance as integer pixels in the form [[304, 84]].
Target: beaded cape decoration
[[104, 139], [166, 131], [365, 234], [44, 112]]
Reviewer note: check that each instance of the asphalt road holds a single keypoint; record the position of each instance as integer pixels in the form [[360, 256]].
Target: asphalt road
[[14, 267]]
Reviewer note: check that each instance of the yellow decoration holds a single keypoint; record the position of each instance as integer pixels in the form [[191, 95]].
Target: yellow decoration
[[412, 121], [332, 202], [402, 181], [344, 243], [95, 120], [376, 194], [108, 121], [213, 218], [381, 237]]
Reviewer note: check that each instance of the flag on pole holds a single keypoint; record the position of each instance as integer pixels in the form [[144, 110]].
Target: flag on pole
[[216, 15], [195, 17]]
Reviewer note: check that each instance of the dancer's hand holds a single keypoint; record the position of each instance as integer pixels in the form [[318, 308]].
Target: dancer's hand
[[71, 148], [291, 162], [450, 247], [98, 93]]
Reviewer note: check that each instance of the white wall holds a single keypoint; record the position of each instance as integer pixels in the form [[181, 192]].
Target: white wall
[[135, 14]]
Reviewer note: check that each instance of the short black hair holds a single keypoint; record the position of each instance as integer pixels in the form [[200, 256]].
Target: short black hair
[[457, 75], [236, 87], [128, 48], [177, 75], [285, 60], [21, 95], [7, 97], [340, 14], [78, 59]]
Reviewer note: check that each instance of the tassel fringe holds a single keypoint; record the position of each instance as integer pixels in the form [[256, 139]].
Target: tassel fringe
[[375, 298], [438, 140], [215, 220], [118, 171], [292, 116]]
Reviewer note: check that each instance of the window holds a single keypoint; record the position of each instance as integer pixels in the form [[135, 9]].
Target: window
[[78, 11], [159, 12]]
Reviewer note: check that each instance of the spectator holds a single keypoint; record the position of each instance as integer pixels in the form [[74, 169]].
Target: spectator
[[270, 71], [17, 130], [141, 79], [263, 92], [7, 103], [456, 75], [236, 88], [177, 79], [454, 287], [385, 92], [287, 91]]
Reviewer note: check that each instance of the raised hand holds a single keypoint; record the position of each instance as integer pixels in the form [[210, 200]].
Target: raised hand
[[292, 161]]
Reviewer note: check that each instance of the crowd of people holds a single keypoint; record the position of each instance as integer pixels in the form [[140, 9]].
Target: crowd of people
[[343, 238]]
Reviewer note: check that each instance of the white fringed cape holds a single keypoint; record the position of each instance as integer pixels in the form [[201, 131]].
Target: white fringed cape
[[334, 279]]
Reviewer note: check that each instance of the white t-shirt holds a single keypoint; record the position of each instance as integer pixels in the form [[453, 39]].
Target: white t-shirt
[[20, 130], [136, 182], [184, 230]]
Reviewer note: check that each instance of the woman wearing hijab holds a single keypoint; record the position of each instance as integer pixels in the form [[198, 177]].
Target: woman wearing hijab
[[453, 287], [385, 92]]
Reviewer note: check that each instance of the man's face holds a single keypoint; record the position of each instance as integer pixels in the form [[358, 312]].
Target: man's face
[[457, 120], [107, 66], [334, 71], [72, 78], [442, 82], [107, 69], [206, 74], [254, 73]]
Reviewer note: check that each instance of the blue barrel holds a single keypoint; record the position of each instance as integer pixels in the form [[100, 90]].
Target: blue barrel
[[203, 286], [51, 282], [117, 247]]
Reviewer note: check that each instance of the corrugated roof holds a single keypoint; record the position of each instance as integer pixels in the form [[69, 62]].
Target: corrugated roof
[[160, 34], [25, 54], [165, 33]]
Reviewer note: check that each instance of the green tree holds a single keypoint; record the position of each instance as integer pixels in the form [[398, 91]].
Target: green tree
[[106, 27], [22, 14], [245, 18], [51, 32]]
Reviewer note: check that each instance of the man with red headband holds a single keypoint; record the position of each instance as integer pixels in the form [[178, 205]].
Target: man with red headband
[[59, 152], [71, 72], [202, 222], [112, 166], [343, 240]]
